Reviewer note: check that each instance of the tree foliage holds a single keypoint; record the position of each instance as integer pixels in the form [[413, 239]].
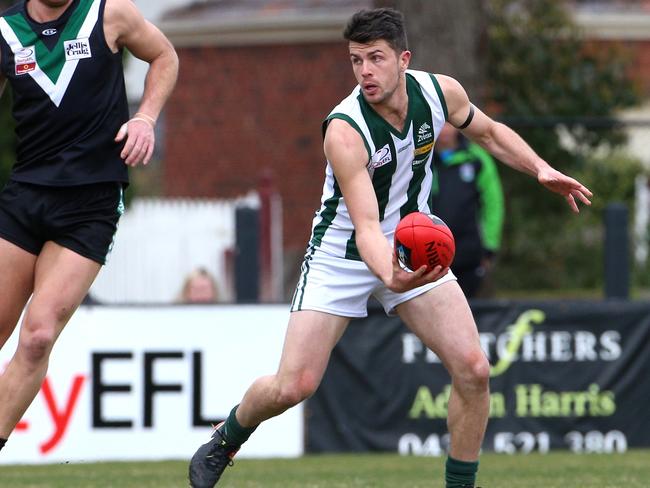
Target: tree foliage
[[559, 93]]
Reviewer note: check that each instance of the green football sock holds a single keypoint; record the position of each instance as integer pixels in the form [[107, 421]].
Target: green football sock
[[233, 432], [460, 473]]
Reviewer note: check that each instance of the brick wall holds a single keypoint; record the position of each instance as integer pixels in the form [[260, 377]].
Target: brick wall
[[239, 113], [641, 66]]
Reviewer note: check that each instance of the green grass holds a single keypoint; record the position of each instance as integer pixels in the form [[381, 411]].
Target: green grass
[[555, 470]]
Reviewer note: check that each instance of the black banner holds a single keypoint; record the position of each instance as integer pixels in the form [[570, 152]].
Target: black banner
[[565, 375]]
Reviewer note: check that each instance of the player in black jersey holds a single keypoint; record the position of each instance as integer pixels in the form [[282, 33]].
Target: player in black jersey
[[59, 210]]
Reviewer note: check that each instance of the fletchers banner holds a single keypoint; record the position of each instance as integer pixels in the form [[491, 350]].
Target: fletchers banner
[[564, 375]]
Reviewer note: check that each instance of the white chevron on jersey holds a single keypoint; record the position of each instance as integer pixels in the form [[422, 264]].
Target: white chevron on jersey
[[57, 90]]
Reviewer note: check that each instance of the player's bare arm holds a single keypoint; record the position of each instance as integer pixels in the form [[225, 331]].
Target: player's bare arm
[[506, 145], [125, 27], [348, 156]]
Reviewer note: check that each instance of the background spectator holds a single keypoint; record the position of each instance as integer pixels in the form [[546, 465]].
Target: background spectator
[[199, 287], [467, 195]]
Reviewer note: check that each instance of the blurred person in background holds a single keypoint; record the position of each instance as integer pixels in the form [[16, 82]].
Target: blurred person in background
[[199, 287], [60, 208], [467, 195], [379, 145]]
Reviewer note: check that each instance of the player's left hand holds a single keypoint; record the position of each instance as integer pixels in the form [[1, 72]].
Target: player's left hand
[[140, 141], [566, 186]]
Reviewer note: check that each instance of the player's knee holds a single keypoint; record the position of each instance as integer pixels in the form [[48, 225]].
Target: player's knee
[[297, 389], [474, 374], [35, 344]]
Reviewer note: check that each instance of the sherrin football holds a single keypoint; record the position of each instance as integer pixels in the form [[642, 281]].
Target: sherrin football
[[422, 239]]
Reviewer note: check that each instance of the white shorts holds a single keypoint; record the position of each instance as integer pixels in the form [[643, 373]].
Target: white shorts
[[343, 286]]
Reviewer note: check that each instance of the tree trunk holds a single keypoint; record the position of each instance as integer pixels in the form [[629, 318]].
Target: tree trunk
[[448, 37]]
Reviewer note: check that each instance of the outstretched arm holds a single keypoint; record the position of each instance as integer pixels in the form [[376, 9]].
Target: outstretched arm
[[346, 152], [126, 28], [507, 146]]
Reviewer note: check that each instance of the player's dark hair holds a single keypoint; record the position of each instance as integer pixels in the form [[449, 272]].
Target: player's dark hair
[[386, 24]]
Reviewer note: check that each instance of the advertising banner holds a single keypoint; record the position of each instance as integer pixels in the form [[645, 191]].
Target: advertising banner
[[140, 383], [564, 375]]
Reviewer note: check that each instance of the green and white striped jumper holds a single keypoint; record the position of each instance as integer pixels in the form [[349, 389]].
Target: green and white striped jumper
[[399, 164]]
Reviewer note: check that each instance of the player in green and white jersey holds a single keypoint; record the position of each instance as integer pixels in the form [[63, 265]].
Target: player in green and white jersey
[[60, 208], [378, 144]]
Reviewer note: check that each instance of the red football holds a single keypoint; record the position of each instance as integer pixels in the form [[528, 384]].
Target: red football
[[422, 239]]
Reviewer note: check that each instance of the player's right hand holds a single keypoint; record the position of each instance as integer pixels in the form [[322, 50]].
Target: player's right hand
[[140, 141], [405, 280]]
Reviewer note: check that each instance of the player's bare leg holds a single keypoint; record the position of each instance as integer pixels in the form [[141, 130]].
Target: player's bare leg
[[308, 343], [61, 280], [443, 321], [16, 283]]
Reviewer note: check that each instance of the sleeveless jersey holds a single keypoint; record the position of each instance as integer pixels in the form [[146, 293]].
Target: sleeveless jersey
[[399, 164], [69, 96]]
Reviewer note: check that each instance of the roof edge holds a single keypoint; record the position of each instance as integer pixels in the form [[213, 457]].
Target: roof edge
[[257, 29], [623, 26]]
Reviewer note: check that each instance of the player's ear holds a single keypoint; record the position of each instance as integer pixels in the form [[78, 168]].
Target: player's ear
[[404, 60]]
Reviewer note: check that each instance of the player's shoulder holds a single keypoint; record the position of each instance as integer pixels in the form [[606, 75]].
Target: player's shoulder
[[448, 84], [120, 10], [341, 130], [453, 92]]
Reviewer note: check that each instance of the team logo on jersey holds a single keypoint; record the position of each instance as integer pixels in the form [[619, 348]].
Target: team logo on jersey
[[77, 49], [424, 133], [380, 158], [25, 60], [467, 172], [49, 32], [423, 146]]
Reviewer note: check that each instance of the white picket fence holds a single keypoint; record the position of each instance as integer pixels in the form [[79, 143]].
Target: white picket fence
[[160, 241]]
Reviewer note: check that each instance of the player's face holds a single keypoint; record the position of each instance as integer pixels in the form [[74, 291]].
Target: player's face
[[378, 69]]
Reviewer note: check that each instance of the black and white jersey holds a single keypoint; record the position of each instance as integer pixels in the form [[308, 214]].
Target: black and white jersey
[[69, 99]]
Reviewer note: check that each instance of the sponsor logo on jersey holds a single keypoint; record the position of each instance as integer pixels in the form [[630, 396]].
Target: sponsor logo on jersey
[[424, 133], [404, 148], [424, 149], [380, 158], [77, 49], [418, 162], [25, 60], [49, 32]]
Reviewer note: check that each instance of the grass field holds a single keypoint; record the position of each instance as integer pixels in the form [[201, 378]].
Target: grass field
[[555, 470]]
